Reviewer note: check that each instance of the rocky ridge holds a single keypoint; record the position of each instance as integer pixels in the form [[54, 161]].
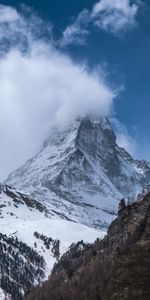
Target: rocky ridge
[[116, 267]]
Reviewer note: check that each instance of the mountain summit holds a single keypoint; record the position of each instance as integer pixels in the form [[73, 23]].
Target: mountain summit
[[81, 173]]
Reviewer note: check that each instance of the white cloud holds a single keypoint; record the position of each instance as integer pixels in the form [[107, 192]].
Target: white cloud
[[8, 14], [77, 32], [124, 139], [114, 16], [22, 29], [40, 87], [126, 142]]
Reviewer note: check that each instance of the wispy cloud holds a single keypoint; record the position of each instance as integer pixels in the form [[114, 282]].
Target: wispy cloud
[[77, 32], [20, 29], [114, 16], [124, 139], [40, 87]]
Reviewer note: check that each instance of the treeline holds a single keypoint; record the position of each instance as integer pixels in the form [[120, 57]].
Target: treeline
[[20, 267], [49, 243]]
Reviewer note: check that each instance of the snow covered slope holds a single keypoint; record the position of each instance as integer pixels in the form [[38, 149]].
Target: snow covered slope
[[29, 235], [81, 173]]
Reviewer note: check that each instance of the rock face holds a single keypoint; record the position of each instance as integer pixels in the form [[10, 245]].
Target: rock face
[[82, 174], [18, 198], [115, 268]]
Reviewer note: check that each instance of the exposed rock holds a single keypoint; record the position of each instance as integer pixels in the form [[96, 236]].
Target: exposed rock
[[115, 268], [18, 197]]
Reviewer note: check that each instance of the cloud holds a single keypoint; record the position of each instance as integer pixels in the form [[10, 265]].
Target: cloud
[[8, 14], [40, 87], [77, 32], [20, 29], [124, 139], [113, 16]]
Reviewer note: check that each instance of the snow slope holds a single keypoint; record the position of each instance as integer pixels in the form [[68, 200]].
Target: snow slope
[[19, 219], [2, 295]]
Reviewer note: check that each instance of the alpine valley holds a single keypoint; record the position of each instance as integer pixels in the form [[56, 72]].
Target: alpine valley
[[68, 192]]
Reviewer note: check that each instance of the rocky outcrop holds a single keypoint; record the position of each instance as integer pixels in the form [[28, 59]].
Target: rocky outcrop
[[19, 198], [115, 268]]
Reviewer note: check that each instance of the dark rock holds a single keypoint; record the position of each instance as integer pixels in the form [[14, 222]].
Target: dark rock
[[115, 268]]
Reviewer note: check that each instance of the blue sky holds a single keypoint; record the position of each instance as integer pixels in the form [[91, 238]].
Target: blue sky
[[121, 53]]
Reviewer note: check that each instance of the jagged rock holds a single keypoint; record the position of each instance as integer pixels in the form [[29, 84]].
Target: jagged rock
[[22, 198], [115, 268]]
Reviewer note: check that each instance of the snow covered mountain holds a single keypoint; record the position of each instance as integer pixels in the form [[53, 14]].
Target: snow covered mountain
[[31, 241], [80, 173], [73, 184]]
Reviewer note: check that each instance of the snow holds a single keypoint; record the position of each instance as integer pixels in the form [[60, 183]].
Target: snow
[[67, 232], [2, 296], [22, 222]]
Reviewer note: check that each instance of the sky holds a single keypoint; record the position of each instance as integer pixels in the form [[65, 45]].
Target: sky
[[62, 59]]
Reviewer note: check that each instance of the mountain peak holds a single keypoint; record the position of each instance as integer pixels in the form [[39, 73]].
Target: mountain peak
[[96, 127], [80, 128], [81, 172]]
